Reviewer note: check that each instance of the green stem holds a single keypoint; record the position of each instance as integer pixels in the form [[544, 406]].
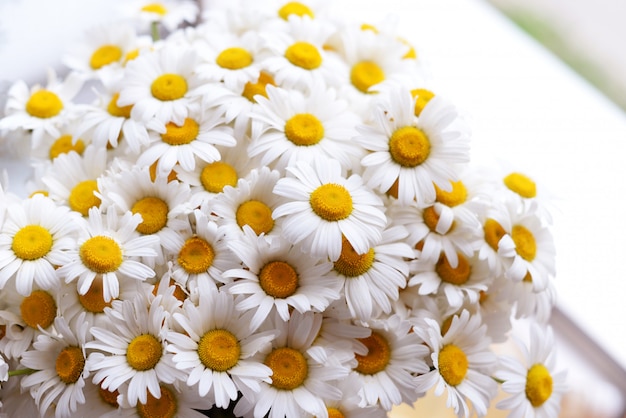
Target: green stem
[[498, 380], [154, 31], [21, 372]]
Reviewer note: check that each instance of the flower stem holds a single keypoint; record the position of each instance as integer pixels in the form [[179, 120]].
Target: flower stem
[[154, 31], [21, 372]]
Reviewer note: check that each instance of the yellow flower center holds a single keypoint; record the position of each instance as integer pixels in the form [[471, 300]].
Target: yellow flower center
[[304, 55], [423, 97], [82, 197], [110, 398], [493, 233], [164, 407], [454, 197], [117, 111], [255, 214], [219, 350], [217, 175], [157, 8], [411, 53], [335, 413], [453, 364], [295, 8], [44, 104], [181, 135], [101, 254], [409, 146], [252, 89], [153, 173], [234, 58], [168, 87], [38, 309], [154, 212], [65, 144], [538, 385], [144, 352], [93, 301], [70, 364], [289, 368], [377, 357], [331, 202], [304, 129], [369, 26], [32, 242], [445, 325], [365, 74], [352, 264], [178, 293], [521, 184], [525, 244], [454, 275], [196, 255], [105, 55], [278, 279], [431, 218], [131, 55]]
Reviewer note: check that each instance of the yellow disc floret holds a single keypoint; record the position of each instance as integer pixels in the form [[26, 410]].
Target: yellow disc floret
[[453, 364], [32, 242], [101, 254], [105, 55], [181, 135], [144, 352], [289, 368], [196, 255], [538, 385], [169, 87], [335, 413], [165, 406], [365, 74], [82, 197], [219, 350], [493, 233], [454, 275], [110, 398], [422, 96], [295, 8], [157, 8], [431, 218], [304, 129], [153, 211], [260, 87], [44, 104], [38, 309], [64, 144], [525, 244], [409, 146], [331, 202], [304, 55], [93, 301], [454, 197], [521, 184], [70, 364], [217, 175], [255, 214], [118, 111], [352, 264], [278, 279], [234, 58], [377, 357]]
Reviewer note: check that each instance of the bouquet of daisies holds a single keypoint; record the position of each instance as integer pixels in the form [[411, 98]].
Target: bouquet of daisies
[[257, 209]]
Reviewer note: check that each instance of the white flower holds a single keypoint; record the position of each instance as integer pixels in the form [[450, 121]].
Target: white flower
[[170, 13], [323, 206]]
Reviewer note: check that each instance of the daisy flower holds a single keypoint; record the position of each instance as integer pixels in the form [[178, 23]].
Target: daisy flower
[[53, 146], [170, 13], [34, 241], [462, 363], [61, 368], [132, 349], [349, 406], [370, 281], [418, 153], [324, 206], [289, 126], [107, 248], [536, 388], [217, 347], [174, 402], [41, 108], [182, 143], [157, 84], [530, 303], [276, 277]]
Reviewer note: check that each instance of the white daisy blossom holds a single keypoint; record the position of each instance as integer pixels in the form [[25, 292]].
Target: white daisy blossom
[[107, 248], [169, 13], [61, 369], [323, 206], [417, 152], [174, 401], [462, 363], [132, 349], [536, 388], [34, 239], [217, 347]]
